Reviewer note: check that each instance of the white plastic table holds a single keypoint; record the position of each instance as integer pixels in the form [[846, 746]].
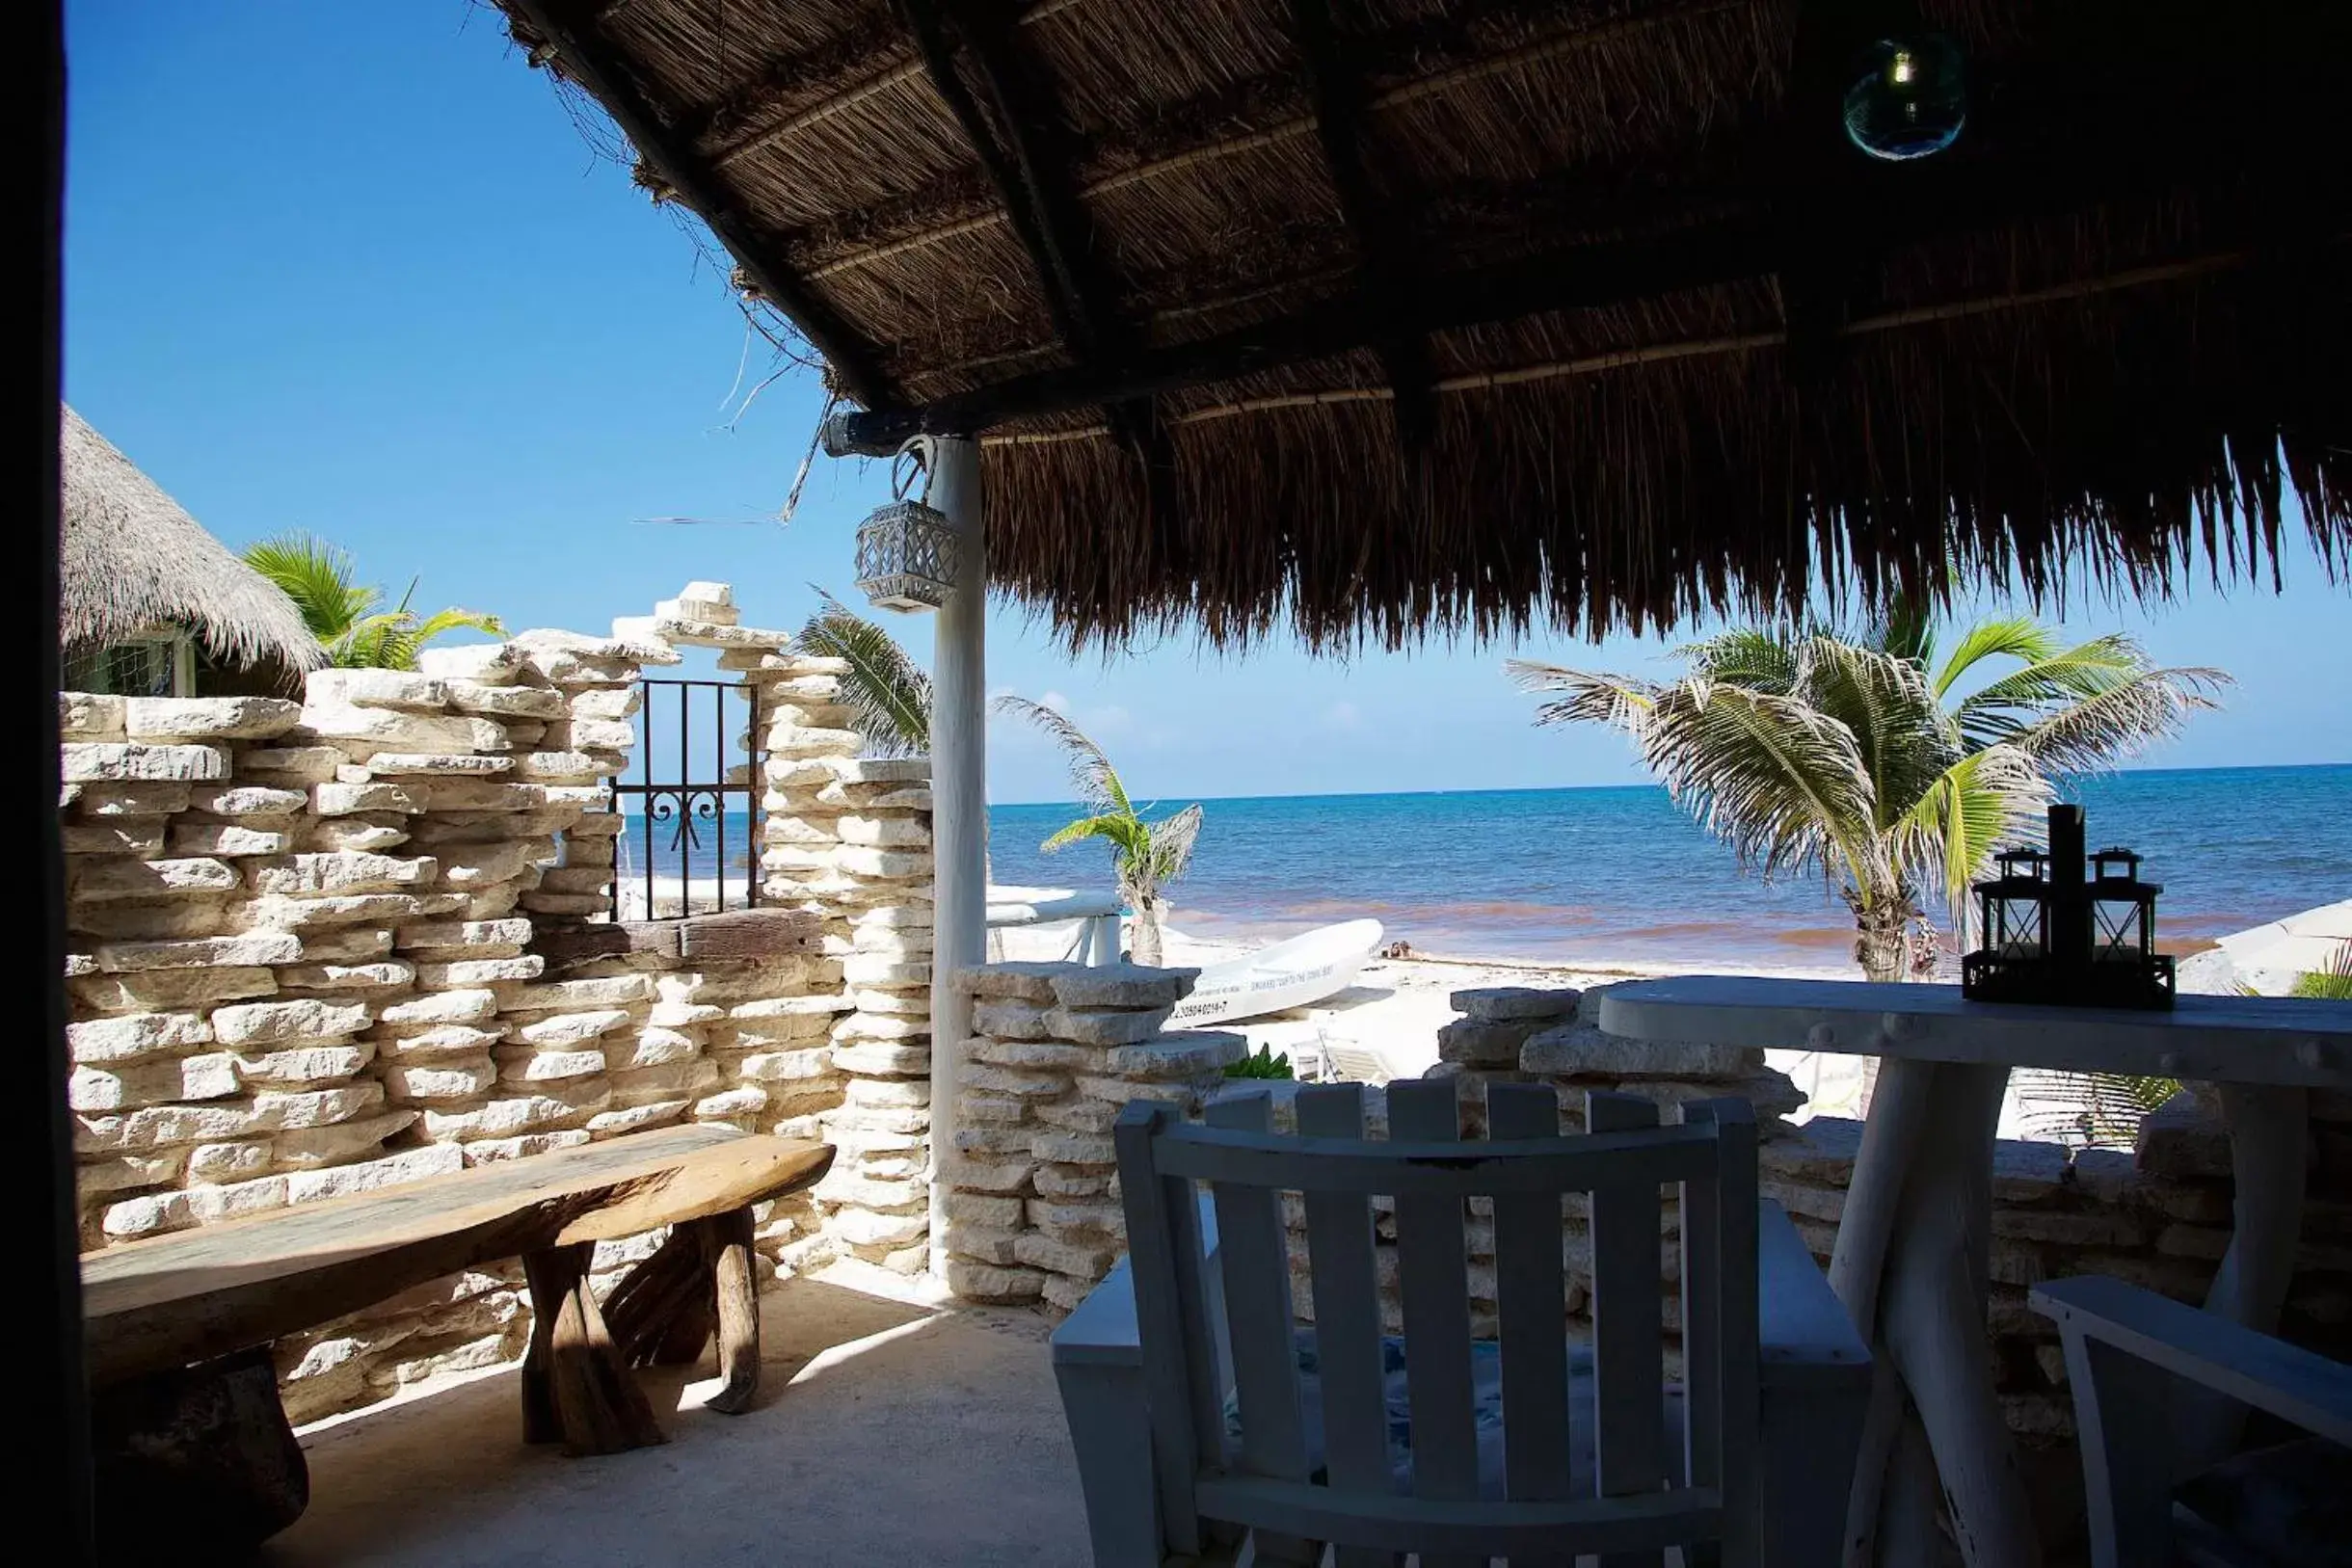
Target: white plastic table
[[1911, 1256]]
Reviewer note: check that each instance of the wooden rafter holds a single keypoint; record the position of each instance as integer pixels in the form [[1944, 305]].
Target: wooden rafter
[[1899, 207], [588, 61], [1017, 145], [1027, 158], [1337, 90]]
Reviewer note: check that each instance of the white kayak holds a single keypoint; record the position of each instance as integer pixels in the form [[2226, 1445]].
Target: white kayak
[[1291, 974]]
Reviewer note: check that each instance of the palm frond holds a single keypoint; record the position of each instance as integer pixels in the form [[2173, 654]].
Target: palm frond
[[2098, 1109], [1885, 703], [2017, 637], [1128, 836], [1620, 702], [1172, 838], [888, 694], [2130, 714], [1982, 801], [1097, 780], [1775, 779], [318, 577], [2334, 983], [1762, 658]]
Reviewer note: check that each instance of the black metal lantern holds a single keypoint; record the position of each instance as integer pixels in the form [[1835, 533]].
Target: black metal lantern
[[2014, 905], [906, 556], [2054, 934]]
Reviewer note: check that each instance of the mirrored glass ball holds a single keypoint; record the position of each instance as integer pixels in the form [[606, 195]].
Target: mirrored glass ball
[[1910, 99]]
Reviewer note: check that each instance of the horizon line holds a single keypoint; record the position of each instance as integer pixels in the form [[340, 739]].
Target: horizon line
[[1559, 790]]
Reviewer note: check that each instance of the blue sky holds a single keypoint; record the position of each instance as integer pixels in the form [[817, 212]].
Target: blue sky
[[354, 269]]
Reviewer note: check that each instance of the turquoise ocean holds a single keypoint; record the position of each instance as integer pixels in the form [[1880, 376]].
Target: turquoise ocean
[[1622, 874]]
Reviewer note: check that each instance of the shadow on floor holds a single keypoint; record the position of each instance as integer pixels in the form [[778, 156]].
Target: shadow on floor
[[887, 1433]]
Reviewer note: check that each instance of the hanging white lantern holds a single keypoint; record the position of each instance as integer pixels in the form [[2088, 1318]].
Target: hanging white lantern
[[906, 556]]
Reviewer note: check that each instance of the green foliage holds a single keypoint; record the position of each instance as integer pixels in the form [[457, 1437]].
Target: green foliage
[[341, 611], [1263, 1064], [2101, 1111], [889, 697], [1147, 855], [2331, 984], [1802, 747]]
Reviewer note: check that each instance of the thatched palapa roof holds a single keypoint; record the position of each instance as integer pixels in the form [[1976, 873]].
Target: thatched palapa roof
[[131, 560], [1375, 317]]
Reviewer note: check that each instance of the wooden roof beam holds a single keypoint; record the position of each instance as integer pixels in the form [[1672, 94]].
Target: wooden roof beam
[[599, 73], [1035, 172], [1899, 205], [1341, 98]]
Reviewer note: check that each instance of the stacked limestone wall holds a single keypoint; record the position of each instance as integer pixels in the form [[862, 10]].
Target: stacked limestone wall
[[321, 947], [850, 838], [1057, 1050]]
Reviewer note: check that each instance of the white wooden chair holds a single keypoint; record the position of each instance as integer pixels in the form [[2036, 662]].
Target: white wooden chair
[[1582, 1456], [2128, 1351]]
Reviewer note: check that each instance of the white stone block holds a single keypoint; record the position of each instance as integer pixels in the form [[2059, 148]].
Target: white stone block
[[378, 688], [252, 948], [96, 880], [343, 799], [211, 1204], [408, 1165], [162, 990], [107, 1040], [559, 1030], [311, 1019], [306, 1149], [209, 718], [390, 730], [448, 1078], [85, 715], [126, 1086], [507, 702], [306, 1064], [290, 764], [519, 1064], [338, 874], [437, 1007], [387, 975], [489, 664], [228, 840], [438, 764], [460, 973]]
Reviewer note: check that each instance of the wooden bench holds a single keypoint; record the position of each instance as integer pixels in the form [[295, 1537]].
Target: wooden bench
[[178, 1327]]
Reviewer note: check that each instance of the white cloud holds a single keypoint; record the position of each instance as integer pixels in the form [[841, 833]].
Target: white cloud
[[1342, 716], [1054, 701]]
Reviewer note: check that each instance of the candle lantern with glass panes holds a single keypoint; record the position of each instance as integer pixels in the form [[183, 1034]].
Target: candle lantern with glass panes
[[2064, 928]]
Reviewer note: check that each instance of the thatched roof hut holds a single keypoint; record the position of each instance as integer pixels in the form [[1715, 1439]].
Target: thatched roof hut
[[1375, 317], [132, 561]]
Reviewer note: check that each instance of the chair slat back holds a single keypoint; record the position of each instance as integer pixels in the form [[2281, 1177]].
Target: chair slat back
[[1530, 1286], [1342, 1268], [1297, 1481]]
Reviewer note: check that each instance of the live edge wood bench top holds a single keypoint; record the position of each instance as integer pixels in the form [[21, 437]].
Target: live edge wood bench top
[[172, 1300]]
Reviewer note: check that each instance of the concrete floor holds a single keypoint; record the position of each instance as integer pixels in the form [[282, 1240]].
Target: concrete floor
[[890, 1430]]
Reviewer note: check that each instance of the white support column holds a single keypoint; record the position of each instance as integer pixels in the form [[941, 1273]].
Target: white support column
[[959, 799]]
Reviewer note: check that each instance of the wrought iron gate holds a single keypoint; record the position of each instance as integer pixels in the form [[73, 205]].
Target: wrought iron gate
[[684, 794]]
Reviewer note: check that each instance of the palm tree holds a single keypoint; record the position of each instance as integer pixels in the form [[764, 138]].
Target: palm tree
[[1803, 748], [341, 611], [1146, 855], [888, 696]]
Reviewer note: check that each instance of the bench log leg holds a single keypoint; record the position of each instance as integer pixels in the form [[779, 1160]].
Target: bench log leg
[[197, 1462], [727, 1243], [575, 1386], [662, 1312]]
